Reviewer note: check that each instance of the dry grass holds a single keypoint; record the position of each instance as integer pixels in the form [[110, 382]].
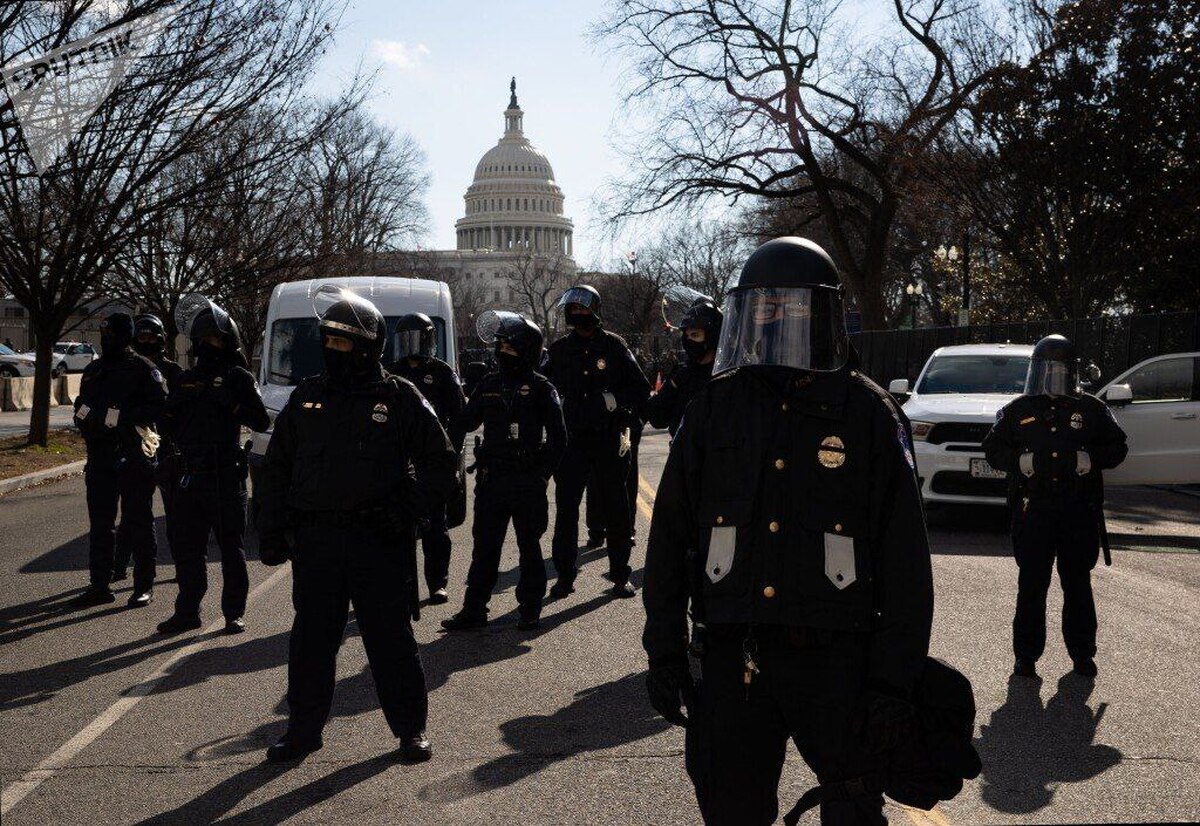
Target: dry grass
[[18, 457]]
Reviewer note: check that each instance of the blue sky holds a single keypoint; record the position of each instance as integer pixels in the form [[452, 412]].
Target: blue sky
[[444, 72]]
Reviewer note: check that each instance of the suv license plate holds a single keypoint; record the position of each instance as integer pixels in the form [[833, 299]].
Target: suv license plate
[[980, 469]]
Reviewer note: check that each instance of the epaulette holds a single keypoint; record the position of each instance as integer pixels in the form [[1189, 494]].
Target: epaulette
[[887, 398]]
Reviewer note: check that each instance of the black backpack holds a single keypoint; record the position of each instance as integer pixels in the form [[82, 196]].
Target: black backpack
[[929, 766]]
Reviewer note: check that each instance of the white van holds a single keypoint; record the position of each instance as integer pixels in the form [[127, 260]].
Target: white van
[[291, 350]]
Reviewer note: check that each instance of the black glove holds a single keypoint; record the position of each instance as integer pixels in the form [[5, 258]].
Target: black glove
[[884, 721], [274, 549], [671, 690]]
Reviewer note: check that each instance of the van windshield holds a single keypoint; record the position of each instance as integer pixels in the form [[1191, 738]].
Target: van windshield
[[296, 348], [975, 374]]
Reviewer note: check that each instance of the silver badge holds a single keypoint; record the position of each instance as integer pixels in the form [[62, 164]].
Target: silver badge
[[218, 381], [428, 379], [832, 453], [379, 417], [381, 408], [1077, 420]]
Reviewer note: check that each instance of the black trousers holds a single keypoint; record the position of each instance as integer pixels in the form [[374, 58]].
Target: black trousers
[[595, 511], [592, 455], [1066, 534], [807, 690], [435, 547], [498, 499], [164, 480], [334, 567], [204, 503], [129, 486]]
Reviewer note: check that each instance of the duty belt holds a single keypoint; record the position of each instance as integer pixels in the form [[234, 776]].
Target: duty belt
[[359, 517]]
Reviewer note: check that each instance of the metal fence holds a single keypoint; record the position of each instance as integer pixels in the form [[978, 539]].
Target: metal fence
[[1113, 343]]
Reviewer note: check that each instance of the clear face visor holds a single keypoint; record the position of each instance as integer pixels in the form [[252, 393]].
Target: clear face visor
[[676, 302], [361, 321], [497, 325], [194, 305], [1051, 378], [578, 295], [411, 344], [799, 327]]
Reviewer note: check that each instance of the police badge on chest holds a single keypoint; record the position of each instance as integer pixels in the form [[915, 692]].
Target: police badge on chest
[[380, 414]]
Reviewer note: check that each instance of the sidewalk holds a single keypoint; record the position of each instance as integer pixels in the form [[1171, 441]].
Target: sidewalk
[[16, 423]]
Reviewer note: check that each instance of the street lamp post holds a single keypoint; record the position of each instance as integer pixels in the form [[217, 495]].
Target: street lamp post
[[914, 292], [952, 256]]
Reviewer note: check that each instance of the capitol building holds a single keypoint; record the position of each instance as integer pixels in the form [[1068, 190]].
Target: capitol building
[[513, 221]]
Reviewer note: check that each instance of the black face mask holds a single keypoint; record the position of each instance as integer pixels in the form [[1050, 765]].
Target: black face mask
[[584, 322], [112, 347], [509, 363], [207, 354], [149, 349], [345, 368], [695, 350]]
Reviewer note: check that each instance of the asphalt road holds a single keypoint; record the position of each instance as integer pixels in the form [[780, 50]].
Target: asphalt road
[[16, 423], [102, 721]]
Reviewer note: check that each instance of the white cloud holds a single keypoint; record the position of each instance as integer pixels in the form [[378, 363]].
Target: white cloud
[[399, 54]]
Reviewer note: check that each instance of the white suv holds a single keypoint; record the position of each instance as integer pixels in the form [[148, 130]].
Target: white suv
[[952, 409]]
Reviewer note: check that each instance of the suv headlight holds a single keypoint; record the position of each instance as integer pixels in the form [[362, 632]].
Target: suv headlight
[[921, 430]]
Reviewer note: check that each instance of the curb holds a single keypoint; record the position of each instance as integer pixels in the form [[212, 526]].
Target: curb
[[29, 479]]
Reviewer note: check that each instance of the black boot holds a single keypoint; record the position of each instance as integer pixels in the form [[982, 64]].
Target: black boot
[[94, 595], [140, 599], [237, 625], [1085, 667], [464, 620], [289, 749], [1024, 667], [439, 596], [562, 588], [177, 624], [529, 623], [622, 590], [415, 748]]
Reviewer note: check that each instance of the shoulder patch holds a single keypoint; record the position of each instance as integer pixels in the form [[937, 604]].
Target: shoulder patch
[[902, 438], [156, 375]]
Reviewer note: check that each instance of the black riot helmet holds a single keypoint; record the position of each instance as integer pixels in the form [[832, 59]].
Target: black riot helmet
[[501, 326], [705, 316], [1053, 368], [149, 327], [786, 310], [349, 315], [116, 333], [197, 317], [585, 298], [415, 337]]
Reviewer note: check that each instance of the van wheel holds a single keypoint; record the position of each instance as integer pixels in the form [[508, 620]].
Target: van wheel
[[7, 371]]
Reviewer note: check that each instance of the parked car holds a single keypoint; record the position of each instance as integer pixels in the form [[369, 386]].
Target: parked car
[[1157, 403], [14, 364], [952, 408], [76, 355]]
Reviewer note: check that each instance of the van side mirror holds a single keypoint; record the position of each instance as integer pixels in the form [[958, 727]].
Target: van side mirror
[[1118, 395], [898, 387]]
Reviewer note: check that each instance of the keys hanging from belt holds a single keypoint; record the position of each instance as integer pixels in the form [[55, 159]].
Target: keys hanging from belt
[[749, 667]]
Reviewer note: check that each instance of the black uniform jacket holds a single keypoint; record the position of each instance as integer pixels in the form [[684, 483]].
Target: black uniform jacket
[[1054, 430], [665, 408], [115, 396], [209, 405], [801, 505], [336, 448], [528, 401], [438, 383], [584, 369]]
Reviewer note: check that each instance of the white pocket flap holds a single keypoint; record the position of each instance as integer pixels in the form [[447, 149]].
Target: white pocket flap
[[720, 553], [839, 560]]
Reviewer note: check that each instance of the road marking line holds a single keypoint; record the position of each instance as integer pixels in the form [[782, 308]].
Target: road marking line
[[646, 508], [647, 488], [17, 791]]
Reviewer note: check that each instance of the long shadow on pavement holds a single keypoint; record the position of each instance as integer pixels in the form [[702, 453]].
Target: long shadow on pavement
[[602, 717], [1028, 749], [73, 555], [218, 801]]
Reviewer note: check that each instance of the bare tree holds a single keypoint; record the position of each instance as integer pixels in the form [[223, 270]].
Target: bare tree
[[537, 280], [777, 99], [62, 232]]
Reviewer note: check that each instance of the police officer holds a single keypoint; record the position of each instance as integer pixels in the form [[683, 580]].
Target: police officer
[[792, 479], [523, 440], [121, 396], [602, 387], [437, 381], [356, 458], [1053, 442], [205, 414], [150, 339], [700, 329]]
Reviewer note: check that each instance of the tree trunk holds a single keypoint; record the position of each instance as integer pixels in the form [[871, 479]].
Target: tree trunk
[[39, 417]]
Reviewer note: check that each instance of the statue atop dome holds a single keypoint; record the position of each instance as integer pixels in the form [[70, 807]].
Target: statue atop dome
[[512, 101]]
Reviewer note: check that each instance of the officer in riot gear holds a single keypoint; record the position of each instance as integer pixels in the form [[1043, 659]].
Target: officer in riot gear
[[602, 391], [413, 353], [699, 328], [789, 503], [150, 340], [523, 440], [1054, 442], [121, 396], [356, 458], [206, 412]]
